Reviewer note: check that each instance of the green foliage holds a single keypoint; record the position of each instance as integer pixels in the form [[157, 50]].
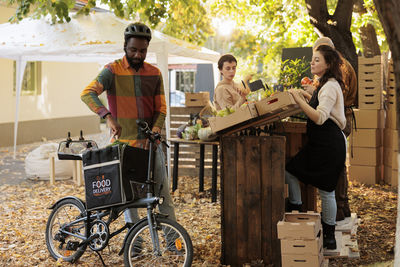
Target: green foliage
[[292, 72], [371, 17], [264, 27], [187, 20]]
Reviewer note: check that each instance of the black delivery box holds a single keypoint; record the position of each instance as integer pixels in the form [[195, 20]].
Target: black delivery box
[[112, 173]]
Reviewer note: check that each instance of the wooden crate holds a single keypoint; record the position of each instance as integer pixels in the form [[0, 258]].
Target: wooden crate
[[189, 155], [296, 138], [252, 201], [199, 99]]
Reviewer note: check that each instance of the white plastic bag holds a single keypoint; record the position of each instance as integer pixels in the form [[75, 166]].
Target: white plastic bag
[[37, 163]]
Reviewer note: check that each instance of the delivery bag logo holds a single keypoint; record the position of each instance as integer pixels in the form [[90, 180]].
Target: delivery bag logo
[[102, 186]]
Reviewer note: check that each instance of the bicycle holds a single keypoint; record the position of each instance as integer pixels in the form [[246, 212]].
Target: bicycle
[[155, 240]]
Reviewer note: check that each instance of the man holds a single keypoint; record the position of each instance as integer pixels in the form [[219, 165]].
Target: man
[[134, 91], [350, 99]]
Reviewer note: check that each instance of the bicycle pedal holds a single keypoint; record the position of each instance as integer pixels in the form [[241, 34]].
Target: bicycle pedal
[[72, 245]]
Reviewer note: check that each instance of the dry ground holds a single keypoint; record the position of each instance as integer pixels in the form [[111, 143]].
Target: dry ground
[[24, 213], [23, 216]]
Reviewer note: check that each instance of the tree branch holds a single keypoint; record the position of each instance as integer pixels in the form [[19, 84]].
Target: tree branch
[[343, 14], [318, 12]]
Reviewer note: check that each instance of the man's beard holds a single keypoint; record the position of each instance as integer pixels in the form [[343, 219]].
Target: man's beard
[[134, 65]]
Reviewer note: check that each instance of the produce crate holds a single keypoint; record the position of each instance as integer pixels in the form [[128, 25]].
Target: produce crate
[[279, 102], [391, 82], [199, 99], [370, 82], [252, 198], [240, 115], [391, 104], [297, 225], [305, 260], [301, 246]]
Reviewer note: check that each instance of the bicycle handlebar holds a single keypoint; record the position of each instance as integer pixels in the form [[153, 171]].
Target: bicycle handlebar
[[144, 126]]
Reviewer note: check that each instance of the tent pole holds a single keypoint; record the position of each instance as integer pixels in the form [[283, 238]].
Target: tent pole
[[20, 70], [162, 63]]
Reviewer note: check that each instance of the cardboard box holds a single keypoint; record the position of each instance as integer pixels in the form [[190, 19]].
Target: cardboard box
[[199, 99], [367, 156], [390, 139], [366, 138], [279, 102], [369, 118], [301, 246], [364, 103], [240, 115], [368, 86], [370, 97], [369, 60], [302, 260], [369, 175], [297, 225], [391, 176], [390, 157], [391, 116]]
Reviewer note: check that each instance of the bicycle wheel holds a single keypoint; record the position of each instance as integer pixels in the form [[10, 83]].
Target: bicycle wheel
[[176, 248], [61, 244]]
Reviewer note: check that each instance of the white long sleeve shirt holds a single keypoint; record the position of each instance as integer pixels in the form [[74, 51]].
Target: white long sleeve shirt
[[331, 104]]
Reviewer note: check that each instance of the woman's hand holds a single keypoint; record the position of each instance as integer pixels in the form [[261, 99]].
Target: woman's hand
[[296, 95], [309, 88]]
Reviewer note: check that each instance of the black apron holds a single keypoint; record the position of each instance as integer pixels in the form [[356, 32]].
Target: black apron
[[322, 159]]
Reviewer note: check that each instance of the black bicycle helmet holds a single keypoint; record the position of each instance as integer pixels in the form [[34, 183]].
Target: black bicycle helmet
[[137, 29]]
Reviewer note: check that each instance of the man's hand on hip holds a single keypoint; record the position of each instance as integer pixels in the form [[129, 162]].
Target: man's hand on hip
[[116, 129]]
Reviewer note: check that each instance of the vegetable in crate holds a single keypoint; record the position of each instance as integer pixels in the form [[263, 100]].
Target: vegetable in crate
[[224, 112]]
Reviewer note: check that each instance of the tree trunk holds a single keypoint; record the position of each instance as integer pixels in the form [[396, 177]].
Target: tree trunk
[[336, 26], [367, 33], [389, 15]]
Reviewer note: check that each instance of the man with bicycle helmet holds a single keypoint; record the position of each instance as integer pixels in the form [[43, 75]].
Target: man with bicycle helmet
[[134, 91]]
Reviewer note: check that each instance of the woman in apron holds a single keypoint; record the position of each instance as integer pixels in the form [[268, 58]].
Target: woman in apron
[[321, 160]]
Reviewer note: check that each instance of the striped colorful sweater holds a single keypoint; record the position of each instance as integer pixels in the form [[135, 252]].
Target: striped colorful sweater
[[131, 95]]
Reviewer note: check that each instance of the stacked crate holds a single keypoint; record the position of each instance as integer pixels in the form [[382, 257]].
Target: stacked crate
[[365, 150], [390, 140], [301, 239]]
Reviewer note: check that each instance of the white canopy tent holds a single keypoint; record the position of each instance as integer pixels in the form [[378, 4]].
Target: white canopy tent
[[97, 37]]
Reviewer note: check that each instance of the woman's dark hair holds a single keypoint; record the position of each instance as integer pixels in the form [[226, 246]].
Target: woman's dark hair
[[334, 62], [226, 58]]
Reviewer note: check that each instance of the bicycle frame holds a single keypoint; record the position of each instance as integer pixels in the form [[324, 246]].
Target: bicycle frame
[[150, 202]]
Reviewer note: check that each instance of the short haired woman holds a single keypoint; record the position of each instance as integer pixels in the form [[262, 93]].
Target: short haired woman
[[228, 93]]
